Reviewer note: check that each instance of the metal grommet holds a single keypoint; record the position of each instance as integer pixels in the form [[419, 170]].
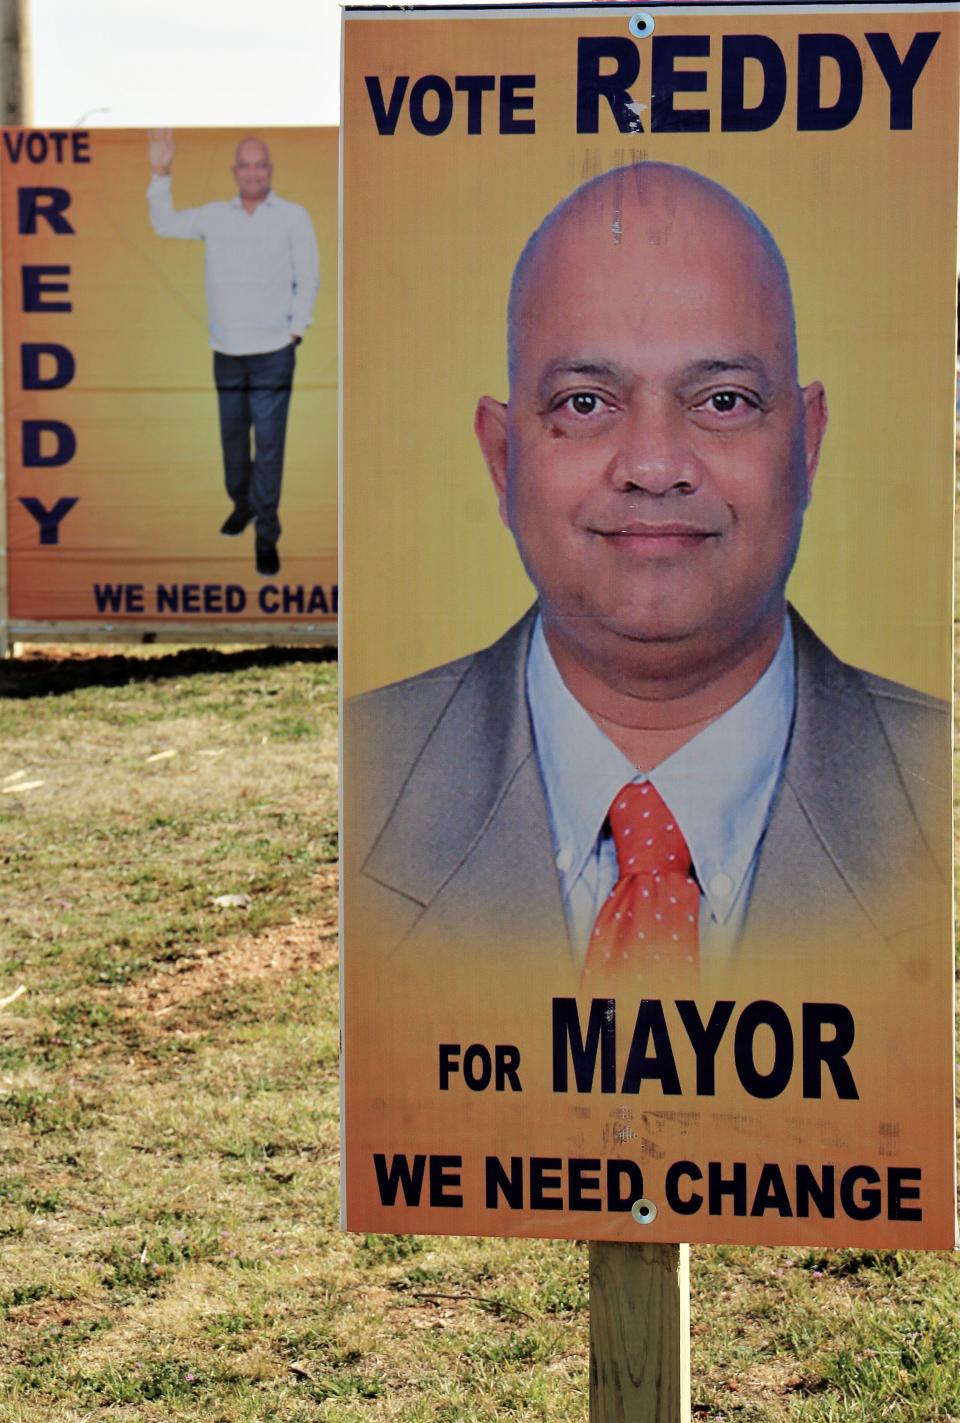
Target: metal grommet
[[644, 1211], [641, 25]]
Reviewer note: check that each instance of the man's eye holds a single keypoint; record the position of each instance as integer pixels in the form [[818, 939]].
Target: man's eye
[[726, 402], [581, 414]]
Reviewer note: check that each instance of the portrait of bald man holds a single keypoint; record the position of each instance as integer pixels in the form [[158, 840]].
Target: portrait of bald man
[[261, 276], [661, 763]]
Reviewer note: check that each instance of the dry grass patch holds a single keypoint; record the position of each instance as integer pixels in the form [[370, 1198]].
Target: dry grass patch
[[303, 945]]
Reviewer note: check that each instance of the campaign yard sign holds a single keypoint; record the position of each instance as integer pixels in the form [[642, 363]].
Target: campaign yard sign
[[647, 503], [170, 380]]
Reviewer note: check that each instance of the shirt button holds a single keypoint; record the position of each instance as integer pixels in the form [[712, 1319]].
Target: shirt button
[[721, 885], [564, 859]]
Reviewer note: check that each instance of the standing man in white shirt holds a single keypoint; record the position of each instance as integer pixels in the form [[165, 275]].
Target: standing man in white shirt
[[261, 278]]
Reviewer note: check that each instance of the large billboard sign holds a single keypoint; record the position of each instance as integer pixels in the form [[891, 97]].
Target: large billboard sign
[[170, 341], [646, 502]]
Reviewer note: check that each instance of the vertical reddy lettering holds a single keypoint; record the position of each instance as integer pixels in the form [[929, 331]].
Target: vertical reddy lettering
[[45, 444], [32, 452], [47, 203], [49, 519], [37, 284], [35, 372]]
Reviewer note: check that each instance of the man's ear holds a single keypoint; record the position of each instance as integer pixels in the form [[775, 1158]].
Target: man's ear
[[490, 425], [814, 427]]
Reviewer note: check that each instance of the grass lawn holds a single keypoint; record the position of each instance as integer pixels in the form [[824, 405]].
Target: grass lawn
[[168, 1114]]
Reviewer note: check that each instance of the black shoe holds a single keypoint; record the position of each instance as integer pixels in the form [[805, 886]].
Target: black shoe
[[236, 522], [268, 562]]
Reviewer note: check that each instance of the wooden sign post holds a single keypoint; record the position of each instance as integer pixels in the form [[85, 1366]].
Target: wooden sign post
[[639, 1333]]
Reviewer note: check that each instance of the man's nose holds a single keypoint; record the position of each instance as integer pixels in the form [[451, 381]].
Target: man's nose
[[655, 454]]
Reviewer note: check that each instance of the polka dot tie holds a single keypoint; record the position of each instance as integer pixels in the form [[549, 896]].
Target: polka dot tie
[[651, 915]]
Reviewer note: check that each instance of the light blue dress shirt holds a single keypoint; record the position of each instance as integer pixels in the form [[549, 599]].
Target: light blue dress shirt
[[720, 788]]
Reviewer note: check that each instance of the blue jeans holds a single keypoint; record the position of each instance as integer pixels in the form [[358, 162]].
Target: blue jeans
[[253, 393]]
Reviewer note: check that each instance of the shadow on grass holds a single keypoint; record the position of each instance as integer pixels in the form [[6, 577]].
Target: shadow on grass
[[54, 673]]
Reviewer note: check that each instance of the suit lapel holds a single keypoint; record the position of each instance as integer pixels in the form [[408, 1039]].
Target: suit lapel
[[843, 851], [469, 838]]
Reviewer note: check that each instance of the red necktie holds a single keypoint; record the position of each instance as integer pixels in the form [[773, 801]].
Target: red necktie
[[652, 912]]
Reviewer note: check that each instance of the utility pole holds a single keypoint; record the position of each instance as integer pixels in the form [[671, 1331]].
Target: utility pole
[[16, 108], [16, 97]]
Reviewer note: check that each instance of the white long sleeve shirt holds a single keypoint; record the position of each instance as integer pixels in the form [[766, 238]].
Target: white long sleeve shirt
[[261, 270]]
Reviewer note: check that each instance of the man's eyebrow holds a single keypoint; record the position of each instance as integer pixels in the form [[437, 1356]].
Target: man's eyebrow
[[579, 366], [719, 365]]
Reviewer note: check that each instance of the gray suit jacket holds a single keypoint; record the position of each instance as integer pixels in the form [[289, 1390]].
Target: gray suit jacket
[[447, 841]]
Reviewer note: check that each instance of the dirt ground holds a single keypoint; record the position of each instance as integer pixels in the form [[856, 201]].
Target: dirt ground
[[276, 953]]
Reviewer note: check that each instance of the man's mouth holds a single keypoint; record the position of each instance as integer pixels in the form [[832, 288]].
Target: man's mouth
[[657, 539]]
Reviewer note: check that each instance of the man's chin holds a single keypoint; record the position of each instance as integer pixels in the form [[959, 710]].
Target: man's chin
[[647, 646], [660, 629], [621, 641]]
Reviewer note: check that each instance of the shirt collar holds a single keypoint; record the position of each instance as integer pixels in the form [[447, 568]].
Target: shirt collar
[[268, 202], [582, 769], [719, 786]]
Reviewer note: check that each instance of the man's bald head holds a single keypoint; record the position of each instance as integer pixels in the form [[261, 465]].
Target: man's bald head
[[644, 206], [251, 149]]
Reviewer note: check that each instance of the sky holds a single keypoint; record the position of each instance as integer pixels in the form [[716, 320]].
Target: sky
[[138, 63]]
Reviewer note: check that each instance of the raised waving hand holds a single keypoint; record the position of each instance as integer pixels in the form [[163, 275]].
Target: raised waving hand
[[161, 148]]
